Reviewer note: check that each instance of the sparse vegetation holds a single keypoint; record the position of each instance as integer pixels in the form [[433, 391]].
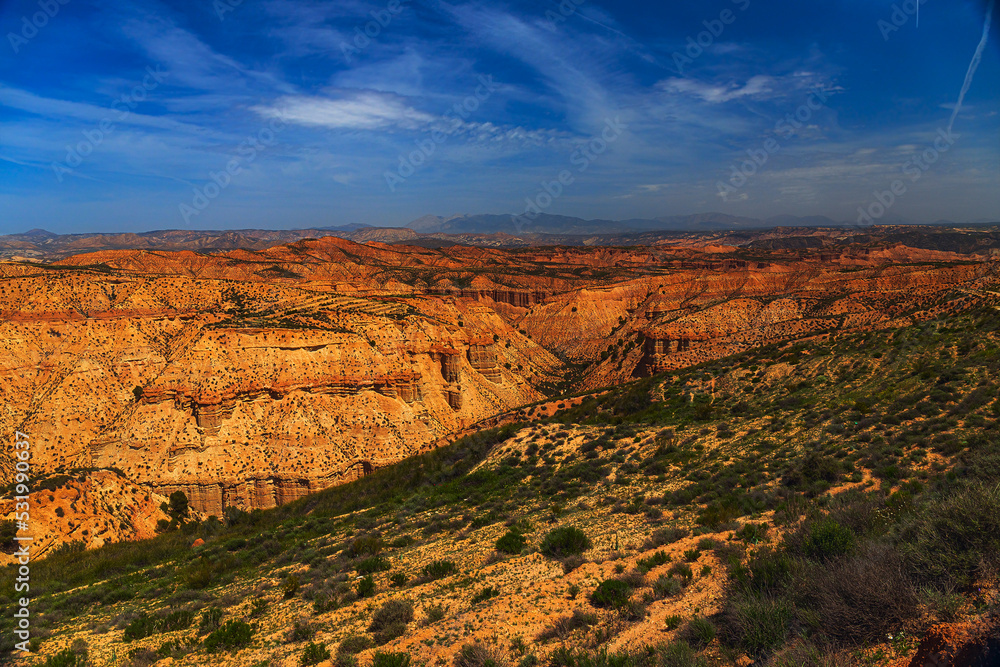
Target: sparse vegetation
[[842, 564]]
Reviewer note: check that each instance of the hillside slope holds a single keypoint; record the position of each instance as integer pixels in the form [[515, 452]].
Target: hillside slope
[[828, 502]]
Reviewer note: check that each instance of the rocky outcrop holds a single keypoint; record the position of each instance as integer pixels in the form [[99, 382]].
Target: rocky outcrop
[[94, 509], [658, 349], [483, 359], [519, 299]]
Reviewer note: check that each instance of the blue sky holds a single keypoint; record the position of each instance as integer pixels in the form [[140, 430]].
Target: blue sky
[[126, 116]]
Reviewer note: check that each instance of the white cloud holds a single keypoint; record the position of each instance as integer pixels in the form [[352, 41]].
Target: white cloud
[[351, 110], [756, 86]]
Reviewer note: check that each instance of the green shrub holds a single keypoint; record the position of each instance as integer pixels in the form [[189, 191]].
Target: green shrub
[[485, 594], [477, 655], [682, 570], [439, 569], [665, 587], [565, 541], [140, 628], [828, 539], [390, 620], [352, 644], [290, 586], [765, 570], [365, 588], [397, 579], [177, 620], [646, 564], [258, 607], [434, 613], [699, 631], [758, 625], [232, 636], [313, 654], [210, 619], [753, 533], [301, 631], [511, 543], [664, 536], [673, 622], [373, 564], [67, 658], [611, 593], [678, 654], [390, 659]]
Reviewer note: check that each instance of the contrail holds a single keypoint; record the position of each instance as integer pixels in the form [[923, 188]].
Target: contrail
[[972, 65]]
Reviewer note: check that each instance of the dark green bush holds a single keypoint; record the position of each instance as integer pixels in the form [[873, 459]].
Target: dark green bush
[[290, 586], [372, 564], [365, 588], [763, 571], [439, 569], [478, 655], [210, 619], [390, 620], [699, 631], [352, 644], [390, 659], [565, 541], [682, 570], [665, 587], [66, 658], [758, 625], [657, 559], [232, 636], [486, 593], [753, 533], [258, 607], [828, 539], [664, 536], [301, 631], [611, 593], [511, 543], [313, 654], [140, 628]]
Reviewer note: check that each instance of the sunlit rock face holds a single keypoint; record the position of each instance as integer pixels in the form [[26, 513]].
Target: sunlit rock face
[[254, 378]]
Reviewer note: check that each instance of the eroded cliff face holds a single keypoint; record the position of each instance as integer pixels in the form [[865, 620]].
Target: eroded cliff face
[[93, 509], [254, 378], [244, 393], [652, 325]]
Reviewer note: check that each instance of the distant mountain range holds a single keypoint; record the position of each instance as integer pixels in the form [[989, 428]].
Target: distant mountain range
[[488, 230], [561, 224]]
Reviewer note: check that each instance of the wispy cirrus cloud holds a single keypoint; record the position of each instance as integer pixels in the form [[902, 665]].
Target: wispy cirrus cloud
[[348, 110], [757, 86]]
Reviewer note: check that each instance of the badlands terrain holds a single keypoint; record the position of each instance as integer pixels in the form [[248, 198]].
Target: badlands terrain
[[726, 448]]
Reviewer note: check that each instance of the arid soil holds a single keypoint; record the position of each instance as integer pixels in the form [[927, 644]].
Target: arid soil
[[252, 378]]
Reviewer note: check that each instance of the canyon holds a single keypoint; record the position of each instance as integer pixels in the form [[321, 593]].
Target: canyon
[[250, 378]]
